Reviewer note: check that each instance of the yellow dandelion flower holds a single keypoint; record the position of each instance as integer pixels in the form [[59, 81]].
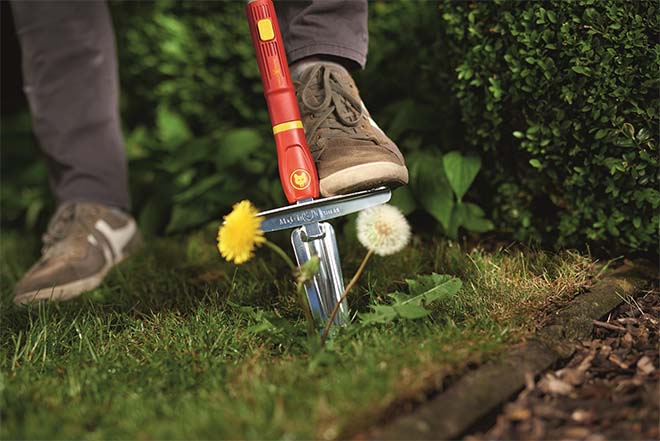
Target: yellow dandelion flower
[[241, 233]]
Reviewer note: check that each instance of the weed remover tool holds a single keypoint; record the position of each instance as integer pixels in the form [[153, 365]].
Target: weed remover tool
[[307, 213]]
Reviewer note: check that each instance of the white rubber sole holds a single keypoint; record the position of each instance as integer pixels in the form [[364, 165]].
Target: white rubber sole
[[62, 292], [362, 177], [68, 291]]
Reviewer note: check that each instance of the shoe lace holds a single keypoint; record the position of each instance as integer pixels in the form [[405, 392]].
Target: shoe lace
[[60, 225], [332, 106]]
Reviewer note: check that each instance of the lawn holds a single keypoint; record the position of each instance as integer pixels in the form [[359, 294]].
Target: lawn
[[179, 344]]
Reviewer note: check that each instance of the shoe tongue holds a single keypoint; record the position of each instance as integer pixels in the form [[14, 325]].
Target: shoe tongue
[[63, 216], [64, 220]]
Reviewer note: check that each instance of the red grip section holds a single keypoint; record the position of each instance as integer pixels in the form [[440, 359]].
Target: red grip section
[[294, 159], [297, 170]]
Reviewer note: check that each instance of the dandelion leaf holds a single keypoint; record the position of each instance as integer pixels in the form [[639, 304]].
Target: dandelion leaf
[[379, 314], [411, 311], [423, 291], [432, 287]]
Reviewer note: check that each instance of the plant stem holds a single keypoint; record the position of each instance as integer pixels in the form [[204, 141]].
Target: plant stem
[[352, 283], [280, 252], [300, 289], [299, 286]]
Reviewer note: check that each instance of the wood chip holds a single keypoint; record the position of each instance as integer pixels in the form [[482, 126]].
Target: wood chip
[[529, 381], [628, 320], [645, 365], [617, 361], [628, 339], [605, 351], [576, 432], [609, 326], [518, 413], [547, 411], [553, 385], [583, 416]]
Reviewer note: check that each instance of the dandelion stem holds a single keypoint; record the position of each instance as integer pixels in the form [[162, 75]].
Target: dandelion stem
[[350, 285], [300, 291], [302, 298], [280, 252]]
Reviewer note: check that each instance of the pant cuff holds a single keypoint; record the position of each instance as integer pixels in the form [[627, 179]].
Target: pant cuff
[[335, 50]]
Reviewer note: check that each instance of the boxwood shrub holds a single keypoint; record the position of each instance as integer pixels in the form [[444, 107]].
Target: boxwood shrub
[[560, 99], [564, 96]]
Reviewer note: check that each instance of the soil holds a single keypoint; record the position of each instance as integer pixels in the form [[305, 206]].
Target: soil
[[608, 390]]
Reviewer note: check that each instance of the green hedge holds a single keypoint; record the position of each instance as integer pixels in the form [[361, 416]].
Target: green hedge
[[558, 98], [196, 122], [563, 96]]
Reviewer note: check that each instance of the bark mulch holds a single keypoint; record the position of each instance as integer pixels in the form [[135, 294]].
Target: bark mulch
[[608, 390]]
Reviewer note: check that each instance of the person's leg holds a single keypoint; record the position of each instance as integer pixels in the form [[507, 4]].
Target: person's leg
[[323, 39], [71, 82], [331, 29]]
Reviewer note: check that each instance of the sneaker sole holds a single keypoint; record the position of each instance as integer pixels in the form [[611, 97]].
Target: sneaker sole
[[64, 292], [68, 291], [364, 176]]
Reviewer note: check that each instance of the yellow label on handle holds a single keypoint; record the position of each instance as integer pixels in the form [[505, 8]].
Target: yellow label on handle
[[265, 28], [287, 126]]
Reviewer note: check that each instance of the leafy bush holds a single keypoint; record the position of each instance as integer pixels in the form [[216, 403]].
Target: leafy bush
[[559, 99], [563, 96], [196, 121]]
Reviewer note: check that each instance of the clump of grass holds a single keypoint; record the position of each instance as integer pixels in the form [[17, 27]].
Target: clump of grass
[[173, 345]]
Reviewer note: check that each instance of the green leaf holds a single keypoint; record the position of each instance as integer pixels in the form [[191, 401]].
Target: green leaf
[[582, 70], [440, 206], [187, 216], [154, 212], [431, 287], [430, 186], [411, 311], [199, 188], [410, 115], [197, 150], [457, 219], [475, 221], [380, 314], [601, 133], [236, 146], [424, 290], [643, 135], [403, 199], [461, 171], [172, 129], [535, 163]]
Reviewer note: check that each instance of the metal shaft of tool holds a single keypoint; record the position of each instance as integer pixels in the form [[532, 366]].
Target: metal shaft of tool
[[325, 289]]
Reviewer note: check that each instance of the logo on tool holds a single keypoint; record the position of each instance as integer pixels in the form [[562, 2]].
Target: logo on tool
[[300, 179]]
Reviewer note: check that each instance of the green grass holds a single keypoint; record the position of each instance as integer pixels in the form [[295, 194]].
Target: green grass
[[164, 348]]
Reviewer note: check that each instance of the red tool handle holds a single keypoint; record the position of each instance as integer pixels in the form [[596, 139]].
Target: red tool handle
[[297, 171]]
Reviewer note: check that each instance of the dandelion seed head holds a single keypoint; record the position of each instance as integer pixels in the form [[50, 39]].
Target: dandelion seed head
[[383, 229]]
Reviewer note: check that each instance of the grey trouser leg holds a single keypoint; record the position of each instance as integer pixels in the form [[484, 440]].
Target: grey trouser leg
[[324, 27], [71, 82]]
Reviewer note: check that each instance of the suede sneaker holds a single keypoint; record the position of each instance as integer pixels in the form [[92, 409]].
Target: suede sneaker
[[83, 242], [351, 152]]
